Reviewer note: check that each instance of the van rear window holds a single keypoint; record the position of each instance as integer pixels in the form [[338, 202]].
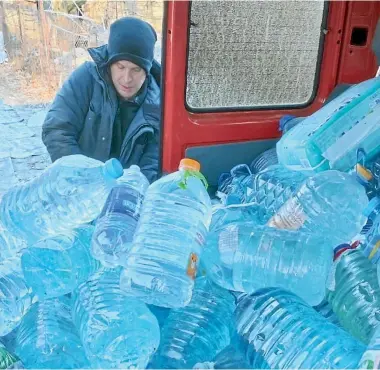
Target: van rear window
[[253, 54]]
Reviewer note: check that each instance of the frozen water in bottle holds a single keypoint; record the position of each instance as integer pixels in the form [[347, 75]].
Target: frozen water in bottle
[[279, 330], [47, 338], [197, 332], [15, 296], [245, 257], [70, 192], [176, 214], [116, 331], [57, 265], [117, 223], [330, 203]]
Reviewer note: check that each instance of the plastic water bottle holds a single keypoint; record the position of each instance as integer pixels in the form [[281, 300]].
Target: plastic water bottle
[[330, 138], [10, 245], [161, 313], [15, 296], [288, 121], [354, 293], [371, 357], [8, 360], [330, 203], [197, 332], [280, 331], [176, 214], [325, 309], [229, 358], [233, 183], [264, 160], [117, 223], [70, 192], [371, 243], [116, 331], [372, 211], [56, 266], [47, 338], [267, 190], [244, 257]]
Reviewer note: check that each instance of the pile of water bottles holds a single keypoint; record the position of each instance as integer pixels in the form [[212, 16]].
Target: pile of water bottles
[[277, 269]]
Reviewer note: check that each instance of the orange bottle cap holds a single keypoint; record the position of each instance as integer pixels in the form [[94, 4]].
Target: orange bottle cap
[[190, 164]]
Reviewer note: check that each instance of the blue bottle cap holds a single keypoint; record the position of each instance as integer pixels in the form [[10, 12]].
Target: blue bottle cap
[[372, 205], [113, 168], [284, 120]]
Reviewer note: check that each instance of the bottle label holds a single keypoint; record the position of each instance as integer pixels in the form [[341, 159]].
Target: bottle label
[[370, 359], [290, 216], [123, 200], [192, 265]]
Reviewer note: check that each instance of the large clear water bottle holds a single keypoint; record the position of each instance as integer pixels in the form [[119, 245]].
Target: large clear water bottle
[[116, 331], [371, 243], [8, 360], [161, 313], [228, 358], [371, 357], [264, 160], [56, 266], [288, 121], [176, 214], [245, 257], [330, 203], [280, 331], [354, 293], [232, 185], [15, 296], [325, 309], [117, 223], [70, 192], [265, 191], [47, 338], [330, 137], [10, 245], [197, 332]]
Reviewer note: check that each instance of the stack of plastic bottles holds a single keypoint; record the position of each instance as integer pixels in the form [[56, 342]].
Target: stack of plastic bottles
[[100, 269]]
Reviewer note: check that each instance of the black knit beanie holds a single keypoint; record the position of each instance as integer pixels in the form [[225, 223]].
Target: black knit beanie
[[132, 39]]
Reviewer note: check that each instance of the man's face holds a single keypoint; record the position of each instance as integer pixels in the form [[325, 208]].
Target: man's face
[[127, 78]]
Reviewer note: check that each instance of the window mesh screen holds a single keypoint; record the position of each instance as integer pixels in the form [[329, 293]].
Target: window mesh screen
[[252, 53]]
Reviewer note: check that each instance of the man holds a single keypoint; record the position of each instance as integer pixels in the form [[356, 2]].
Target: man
[[110, 108]]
